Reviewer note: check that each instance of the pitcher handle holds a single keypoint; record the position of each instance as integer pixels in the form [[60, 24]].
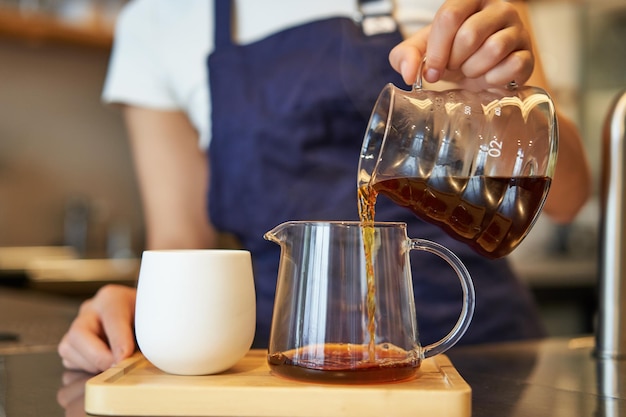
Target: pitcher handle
[[417, 85], [469, 301]]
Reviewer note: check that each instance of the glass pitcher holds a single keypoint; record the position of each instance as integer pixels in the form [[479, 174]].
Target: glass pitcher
[[334, 324], [477, 164]]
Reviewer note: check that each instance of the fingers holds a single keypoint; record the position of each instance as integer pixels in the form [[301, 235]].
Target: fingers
[[517, 66], [495, 45], [102, 333], [449, 18], [83, 347], [407, 55], [484, 42], [118, 325]]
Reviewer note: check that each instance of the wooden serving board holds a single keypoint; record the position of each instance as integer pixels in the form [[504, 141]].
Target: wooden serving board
[[136, 388]]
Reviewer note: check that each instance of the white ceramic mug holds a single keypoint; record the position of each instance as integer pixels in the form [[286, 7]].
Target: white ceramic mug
[[195, 309]]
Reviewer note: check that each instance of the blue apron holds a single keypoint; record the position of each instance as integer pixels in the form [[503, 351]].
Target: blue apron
[[288, 117]]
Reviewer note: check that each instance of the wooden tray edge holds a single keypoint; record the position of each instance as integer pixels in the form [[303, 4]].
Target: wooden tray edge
[[103, 398]]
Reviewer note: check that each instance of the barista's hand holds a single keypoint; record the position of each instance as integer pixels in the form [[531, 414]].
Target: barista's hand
[[472, 42], [102, 333]]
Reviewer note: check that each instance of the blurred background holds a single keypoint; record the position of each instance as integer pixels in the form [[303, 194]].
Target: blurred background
[[66, 177], [65, 167]]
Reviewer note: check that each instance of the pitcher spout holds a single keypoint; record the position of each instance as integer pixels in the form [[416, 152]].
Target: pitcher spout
[[375, 135], [277, 234]]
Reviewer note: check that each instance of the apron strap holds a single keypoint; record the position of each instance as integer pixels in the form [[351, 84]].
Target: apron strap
[[377, 17], [222, 24], [376, 7]]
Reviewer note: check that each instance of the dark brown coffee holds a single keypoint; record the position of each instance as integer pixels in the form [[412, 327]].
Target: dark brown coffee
[[490, 214], [341, 363]]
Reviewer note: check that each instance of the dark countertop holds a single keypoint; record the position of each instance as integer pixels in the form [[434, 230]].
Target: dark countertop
[[552, 377]]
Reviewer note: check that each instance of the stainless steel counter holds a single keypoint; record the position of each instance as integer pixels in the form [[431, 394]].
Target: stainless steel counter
[[553, 377]]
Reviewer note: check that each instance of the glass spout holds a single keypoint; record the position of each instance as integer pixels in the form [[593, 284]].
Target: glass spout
[[375, 135], [278, 233]]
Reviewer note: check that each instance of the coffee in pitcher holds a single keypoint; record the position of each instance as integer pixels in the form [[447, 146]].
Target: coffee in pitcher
[[346, 363], [491, 214]]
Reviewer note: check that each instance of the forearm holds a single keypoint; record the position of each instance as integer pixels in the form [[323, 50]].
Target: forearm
[[173, 179], [572, 184], [572, 181]]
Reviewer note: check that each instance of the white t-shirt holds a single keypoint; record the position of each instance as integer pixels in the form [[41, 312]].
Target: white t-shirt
[[161, 46]]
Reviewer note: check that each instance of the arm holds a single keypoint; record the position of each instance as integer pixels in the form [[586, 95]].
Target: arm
[[478, 43], [173, 179], [172, 174], [572, 183]]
